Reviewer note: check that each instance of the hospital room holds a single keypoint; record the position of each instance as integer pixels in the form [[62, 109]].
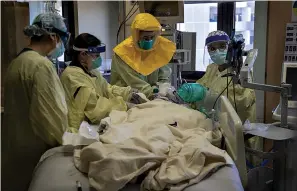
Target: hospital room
[[129, 95]]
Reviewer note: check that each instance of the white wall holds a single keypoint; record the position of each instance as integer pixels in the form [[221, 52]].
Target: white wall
[[99, 18]]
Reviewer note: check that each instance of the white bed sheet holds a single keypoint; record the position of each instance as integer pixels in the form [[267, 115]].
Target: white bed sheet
[[56, 171]]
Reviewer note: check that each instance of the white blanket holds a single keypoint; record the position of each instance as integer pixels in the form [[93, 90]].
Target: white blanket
[[171, 144]]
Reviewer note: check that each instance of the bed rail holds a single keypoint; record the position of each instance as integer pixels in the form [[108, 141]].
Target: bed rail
[[231, 127]]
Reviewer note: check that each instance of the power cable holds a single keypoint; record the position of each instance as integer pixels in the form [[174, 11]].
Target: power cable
[[126, 19], [222, 93]]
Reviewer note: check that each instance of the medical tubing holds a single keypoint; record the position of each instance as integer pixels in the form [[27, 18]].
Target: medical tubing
[[126, 19], [221, 93], [234, 96], [131, 15], [124, 23], [227, 86]]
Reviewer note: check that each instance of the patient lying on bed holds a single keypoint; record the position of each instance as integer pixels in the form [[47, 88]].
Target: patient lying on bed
[[171, 146]]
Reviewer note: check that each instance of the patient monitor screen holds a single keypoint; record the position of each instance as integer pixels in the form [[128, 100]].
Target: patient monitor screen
[[161, 8], [291, 78]]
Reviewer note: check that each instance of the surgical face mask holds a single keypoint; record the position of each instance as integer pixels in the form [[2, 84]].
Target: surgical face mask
[[97, 62], [146, 44], [58, 51], [219, 56]]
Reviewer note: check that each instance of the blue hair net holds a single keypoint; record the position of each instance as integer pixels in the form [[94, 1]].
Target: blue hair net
[[216, 36], [46, 23]]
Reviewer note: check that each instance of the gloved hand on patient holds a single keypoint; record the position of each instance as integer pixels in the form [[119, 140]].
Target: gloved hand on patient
[[138, 98], [173, 97], [167, 93]]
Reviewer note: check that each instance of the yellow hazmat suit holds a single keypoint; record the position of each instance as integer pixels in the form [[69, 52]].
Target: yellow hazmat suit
[[35, 117], [90, 97], [138, 68]]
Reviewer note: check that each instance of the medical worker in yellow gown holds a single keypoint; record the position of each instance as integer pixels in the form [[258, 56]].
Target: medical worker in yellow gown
[[245, 98], [89, 97], [141, 60], [35, 111]]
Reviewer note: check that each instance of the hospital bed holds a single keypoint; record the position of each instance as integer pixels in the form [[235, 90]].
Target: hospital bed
[[56, 170]]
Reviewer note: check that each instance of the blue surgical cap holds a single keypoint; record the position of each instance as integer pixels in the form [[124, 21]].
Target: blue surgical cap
[[46, 23], [216, 36]]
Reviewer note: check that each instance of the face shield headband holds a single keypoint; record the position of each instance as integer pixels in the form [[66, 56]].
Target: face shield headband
[[216, 38], [65, 36], [92, 50]]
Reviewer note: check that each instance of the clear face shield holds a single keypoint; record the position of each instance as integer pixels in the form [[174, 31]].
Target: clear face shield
[[98, 55], [64, 36], [215, 52]]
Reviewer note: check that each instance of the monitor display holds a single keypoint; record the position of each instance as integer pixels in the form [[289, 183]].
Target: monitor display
[[291, 78], [162, 8]]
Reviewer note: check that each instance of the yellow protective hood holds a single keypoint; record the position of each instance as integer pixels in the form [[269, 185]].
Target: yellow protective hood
[[145, 61]]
